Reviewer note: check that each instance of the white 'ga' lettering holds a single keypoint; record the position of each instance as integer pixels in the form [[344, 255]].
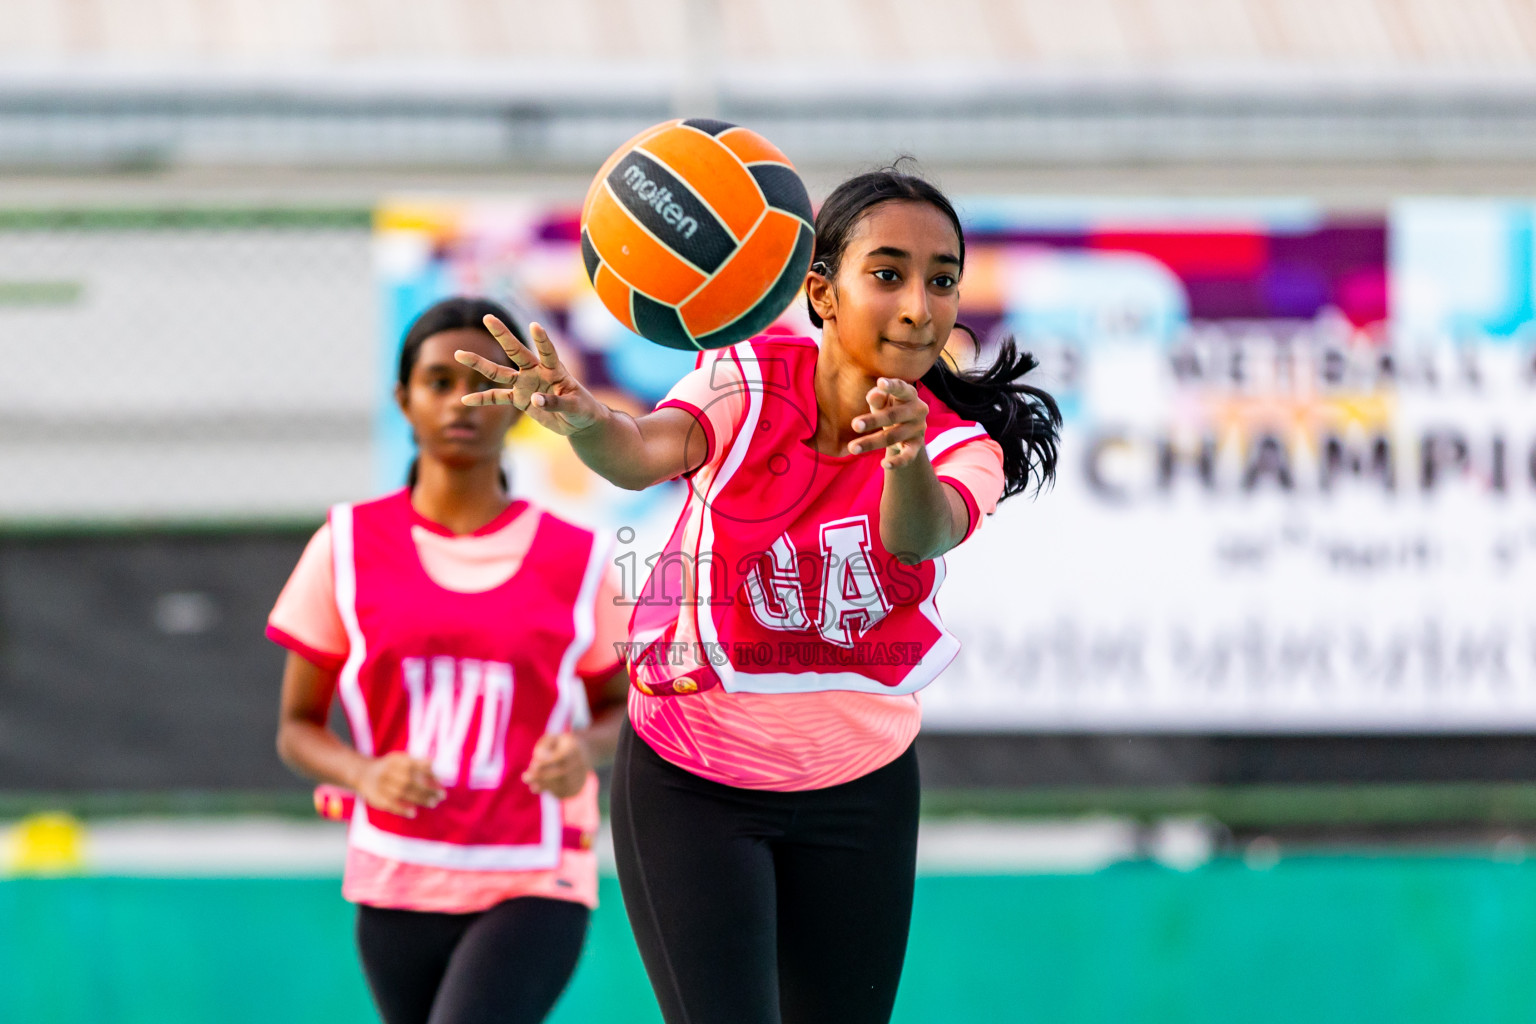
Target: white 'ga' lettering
[[852, 598]]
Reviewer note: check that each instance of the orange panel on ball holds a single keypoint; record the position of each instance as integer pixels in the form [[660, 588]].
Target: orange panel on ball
[[745, 278], [751, 147], [713, 172], [615, 295], [644, 263]]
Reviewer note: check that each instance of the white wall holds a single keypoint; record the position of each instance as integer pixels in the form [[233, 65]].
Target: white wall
[[184, 374]]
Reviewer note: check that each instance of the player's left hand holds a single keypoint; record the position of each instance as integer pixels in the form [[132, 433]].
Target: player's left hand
[[559, 766], [540, 383], [896, 421]]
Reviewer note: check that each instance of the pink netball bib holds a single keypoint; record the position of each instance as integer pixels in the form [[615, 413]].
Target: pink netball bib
[[468, 681], [775, 579]]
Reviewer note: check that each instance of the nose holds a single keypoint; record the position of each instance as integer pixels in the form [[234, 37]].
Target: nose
[[914, 304]]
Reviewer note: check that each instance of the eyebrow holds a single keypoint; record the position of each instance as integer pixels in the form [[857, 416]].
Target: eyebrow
[[901, 254]]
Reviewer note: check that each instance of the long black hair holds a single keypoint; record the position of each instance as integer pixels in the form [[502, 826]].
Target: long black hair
[[449, 315], [1023, 419]]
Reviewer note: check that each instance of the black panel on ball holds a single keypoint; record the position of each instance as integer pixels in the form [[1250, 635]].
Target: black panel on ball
[[768, 309], [589, 257], [660, 323], [666, 207], [783, 189], [705, 124]]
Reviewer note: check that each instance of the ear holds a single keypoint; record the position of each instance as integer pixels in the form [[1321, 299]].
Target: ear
[[400, 397], [822, 295]]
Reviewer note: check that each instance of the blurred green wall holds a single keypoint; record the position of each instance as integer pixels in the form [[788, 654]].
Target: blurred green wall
[[1313, 939]]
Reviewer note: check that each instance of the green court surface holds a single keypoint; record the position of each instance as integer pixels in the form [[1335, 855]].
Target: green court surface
[[1311, 939]]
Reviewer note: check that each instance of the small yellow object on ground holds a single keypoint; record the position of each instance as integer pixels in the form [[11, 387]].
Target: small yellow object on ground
[[44, 844]]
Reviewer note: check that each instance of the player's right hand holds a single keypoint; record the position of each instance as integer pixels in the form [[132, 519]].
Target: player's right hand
[[540, 385], [399, 783]]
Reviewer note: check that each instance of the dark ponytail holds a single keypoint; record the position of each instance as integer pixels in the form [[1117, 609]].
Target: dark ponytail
[[1024, 420], [449, 315]]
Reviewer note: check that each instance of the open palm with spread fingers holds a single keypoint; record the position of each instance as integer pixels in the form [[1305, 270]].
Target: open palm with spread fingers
[[537, 383]]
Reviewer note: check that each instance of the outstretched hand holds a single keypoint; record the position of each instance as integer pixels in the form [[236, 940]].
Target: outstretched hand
[[538, 385], [897, 421]]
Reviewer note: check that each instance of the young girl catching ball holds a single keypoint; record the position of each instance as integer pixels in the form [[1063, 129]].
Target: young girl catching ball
[[470, 638], [765, 789]]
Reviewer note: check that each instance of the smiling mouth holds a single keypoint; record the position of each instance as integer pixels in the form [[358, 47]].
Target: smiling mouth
[[910, 346]]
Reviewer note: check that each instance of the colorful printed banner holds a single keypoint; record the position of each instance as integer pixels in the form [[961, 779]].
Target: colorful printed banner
[[1298, 470]]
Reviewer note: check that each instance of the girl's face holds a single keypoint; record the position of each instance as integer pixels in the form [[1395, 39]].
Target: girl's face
[[446, 429], [897, 290]]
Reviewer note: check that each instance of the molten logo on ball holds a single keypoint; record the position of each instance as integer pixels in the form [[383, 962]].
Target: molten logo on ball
[[660, 200]]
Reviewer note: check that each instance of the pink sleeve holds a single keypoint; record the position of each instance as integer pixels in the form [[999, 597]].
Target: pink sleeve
[[712, 395], [305, 619], [975, 469], [602, 658]]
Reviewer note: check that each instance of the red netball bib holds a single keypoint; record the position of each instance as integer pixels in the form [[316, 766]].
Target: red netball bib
[[775, 579], [468, 681]]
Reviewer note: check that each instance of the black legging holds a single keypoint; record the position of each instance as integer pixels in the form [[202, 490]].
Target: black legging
[[506, 965], [755, 907]]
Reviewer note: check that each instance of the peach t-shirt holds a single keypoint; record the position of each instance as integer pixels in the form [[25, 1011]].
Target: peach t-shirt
[[799, 741], [307, 621]]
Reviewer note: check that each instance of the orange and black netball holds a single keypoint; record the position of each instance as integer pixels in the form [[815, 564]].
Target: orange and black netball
[[697, 234]]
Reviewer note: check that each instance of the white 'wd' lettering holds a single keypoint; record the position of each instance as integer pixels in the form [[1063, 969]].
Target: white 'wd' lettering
[[441, 709], [489, 765]]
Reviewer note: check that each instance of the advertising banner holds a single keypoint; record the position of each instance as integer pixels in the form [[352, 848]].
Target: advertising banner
[[1298, 470]]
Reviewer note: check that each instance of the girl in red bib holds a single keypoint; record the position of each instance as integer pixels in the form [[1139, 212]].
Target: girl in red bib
[[765, 791], [469, 638]]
